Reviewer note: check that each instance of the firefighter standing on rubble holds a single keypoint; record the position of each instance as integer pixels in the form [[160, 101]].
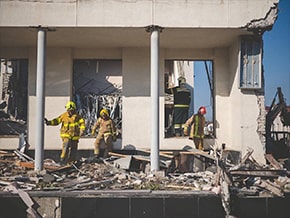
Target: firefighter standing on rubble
[[72, 128], [182, 98], [196, 123], [106, 132]]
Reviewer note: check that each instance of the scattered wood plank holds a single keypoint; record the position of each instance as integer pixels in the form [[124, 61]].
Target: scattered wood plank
[[96, 175], [273, 162], [271, 187], [258, 173], [246, 157], [26, 199], [161, 153], [30, 165], [193, 151], [142, 158], [7, 161], [7, 155], [23, 156]]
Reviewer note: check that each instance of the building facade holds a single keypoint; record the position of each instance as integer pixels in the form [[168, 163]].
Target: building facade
[[113, 39]]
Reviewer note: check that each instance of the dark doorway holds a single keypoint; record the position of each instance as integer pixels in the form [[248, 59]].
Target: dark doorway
[[13, 96], [199, 82]]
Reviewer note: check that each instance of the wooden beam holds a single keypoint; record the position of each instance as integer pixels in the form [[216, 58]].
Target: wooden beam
[[30, 165], [258, 173], [273, 162]]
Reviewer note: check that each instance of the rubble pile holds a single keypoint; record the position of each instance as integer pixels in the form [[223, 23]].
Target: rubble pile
[[247, 177], [94, 174]]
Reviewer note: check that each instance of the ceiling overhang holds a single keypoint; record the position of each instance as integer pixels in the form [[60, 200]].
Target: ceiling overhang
[[120, 37]]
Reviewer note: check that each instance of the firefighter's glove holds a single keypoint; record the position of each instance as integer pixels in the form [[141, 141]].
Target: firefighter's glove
[[46, 121], [185, 131], [114, 137], [93, 132]]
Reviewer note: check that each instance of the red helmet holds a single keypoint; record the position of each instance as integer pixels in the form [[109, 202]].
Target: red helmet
[[202, 110]]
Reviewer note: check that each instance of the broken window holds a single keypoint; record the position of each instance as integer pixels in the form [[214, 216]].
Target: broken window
[[97, 84], [13, 96], [198, 77], [251, 67]]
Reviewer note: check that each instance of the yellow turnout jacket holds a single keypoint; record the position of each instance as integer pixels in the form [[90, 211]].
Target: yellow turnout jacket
[[71, 126], [197, 123], [106, 127]]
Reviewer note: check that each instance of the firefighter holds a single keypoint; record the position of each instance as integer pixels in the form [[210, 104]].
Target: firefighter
[[106, 132], [72, 128], [196, 123], [182, 98]]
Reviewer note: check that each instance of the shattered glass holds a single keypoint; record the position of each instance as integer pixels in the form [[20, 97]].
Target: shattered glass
[[97, 84]]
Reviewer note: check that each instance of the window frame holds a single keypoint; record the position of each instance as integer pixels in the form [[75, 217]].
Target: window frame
[[251, 48]]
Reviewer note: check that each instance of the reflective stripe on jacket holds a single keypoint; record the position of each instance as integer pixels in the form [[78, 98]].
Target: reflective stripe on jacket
[[106, 127], [71, 126], [197, 123]]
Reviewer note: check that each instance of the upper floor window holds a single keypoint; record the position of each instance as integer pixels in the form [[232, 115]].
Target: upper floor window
[[251, 64]]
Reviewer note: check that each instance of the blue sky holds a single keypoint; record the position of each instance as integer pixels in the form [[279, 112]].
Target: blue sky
[[277, 55]]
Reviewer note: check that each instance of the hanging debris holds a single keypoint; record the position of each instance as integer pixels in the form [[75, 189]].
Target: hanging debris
[[90, 105], [259, 26]]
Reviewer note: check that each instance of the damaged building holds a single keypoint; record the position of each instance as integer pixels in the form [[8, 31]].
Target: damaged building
[[96, 60], [123, 55]]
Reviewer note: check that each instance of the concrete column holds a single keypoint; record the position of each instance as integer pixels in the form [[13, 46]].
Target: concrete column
[[154, 73], [40, 99]]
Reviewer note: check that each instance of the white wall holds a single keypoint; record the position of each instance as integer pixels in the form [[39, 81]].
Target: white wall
[[136, 97], [236, 111], [181, 13], [222, 83]]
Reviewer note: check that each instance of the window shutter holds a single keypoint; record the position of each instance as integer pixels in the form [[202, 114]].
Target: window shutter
[[250, 63]]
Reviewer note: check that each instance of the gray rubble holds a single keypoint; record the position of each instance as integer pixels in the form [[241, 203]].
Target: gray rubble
[[245, 178]]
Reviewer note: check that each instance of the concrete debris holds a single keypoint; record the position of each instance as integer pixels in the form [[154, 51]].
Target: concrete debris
[[25, 197], [125, 172], [259, 26], [187, 170]]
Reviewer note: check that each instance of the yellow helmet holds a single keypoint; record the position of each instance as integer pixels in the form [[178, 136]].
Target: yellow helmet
[[104, 111], [70, 105]]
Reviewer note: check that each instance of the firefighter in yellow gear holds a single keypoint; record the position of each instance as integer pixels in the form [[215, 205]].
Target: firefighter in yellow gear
[[106, 132], [196, 123], [72, 128]]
